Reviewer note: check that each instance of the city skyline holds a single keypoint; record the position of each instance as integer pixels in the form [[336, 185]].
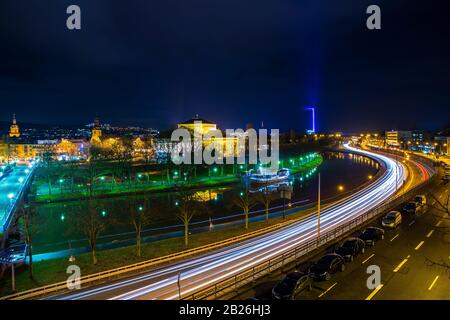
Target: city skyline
[[219, 62]]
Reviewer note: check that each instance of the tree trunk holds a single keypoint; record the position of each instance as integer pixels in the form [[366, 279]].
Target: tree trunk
[[246, 218], [186, 234], [138, 243], [30, 255], [94, 256]]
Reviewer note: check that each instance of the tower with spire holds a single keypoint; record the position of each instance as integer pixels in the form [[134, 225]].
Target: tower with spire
[[14, 128], [96, 131]]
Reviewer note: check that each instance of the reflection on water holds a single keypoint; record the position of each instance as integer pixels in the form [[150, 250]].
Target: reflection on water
[[337, 169]]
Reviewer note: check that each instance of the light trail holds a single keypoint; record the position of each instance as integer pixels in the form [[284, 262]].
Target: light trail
[[204, 270]]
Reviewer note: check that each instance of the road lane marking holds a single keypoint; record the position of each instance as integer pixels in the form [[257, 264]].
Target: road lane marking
[[400, 265], [411, 223], [374, 292], [395, 237], [419, 245], [430, 233], [433, 283], [323, 293], [368, 258], [439, 223]]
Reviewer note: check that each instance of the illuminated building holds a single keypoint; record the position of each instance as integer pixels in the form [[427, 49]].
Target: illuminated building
[[14, 129], [201, 127], [396, 138], [96, 132]]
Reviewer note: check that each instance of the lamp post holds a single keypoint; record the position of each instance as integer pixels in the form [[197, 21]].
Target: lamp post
[[179, 285], [318, 210]]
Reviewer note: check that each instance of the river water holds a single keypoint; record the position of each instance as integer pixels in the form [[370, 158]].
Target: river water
[[341, 173]]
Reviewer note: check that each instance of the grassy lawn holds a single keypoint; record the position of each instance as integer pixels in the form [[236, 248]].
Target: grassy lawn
[[52, 271]]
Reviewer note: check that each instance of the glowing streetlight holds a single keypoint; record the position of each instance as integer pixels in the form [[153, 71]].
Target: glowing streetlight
[[340, 187], [10, 196]]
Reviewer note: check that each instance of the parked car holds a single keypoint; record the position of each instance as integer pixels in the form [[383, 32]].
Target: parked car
[[392, 219], [411, 207], [421, 199], [371, 234], [326, 266], [291, 285], [350, 248]]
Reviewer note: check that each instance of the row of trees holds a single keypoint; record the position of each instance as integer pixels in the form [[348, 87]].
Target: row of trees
[[92, 221]]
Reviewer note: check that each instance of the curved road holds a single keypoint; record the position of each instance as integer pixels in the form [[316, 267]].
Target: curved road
[[204, 270]]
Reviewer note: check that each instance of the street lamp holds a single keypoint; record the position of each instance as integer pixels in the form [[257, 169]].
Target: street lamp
[[10, 196], [340, 187]]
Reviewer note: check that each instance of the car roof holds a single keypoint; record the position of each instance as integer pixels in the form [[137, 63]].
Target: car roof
[[392, 213], [329, 256], [295, 275]]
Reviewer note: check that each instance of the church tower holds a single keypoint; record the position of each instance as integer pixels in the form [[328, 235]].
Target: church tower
[[96, 131], [14, 129]]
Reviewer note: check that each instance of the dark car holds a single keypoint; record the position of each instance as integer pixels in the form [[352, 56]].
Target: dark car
[[291, 285], [350, 248], [371, 234], [411, 207], [327, 265]]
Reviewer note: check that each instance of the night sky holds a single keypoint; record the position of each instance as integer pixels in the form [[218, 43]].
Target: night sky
[[156, 62]]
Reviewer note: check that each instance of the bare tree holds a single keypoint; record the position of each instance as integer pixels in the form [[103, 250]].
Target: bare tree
[[188, 206], [27, 218], [245, 201], [265, 197], [443, 206], [140, 217], [91, 222]]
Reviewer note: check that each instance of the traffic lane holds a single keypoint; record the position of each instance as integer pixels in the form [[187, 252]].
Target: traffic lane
[[422, 279], [351, 284], [387, 254], [402, 251]]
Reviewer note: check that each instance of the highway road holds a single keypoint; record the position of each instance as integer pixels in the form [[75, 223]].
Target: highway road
[[204, 270], [414, 261]]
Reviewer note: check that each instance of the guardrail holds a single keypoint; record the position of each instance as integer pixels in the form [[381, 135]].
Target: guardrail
[[234, 282]]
